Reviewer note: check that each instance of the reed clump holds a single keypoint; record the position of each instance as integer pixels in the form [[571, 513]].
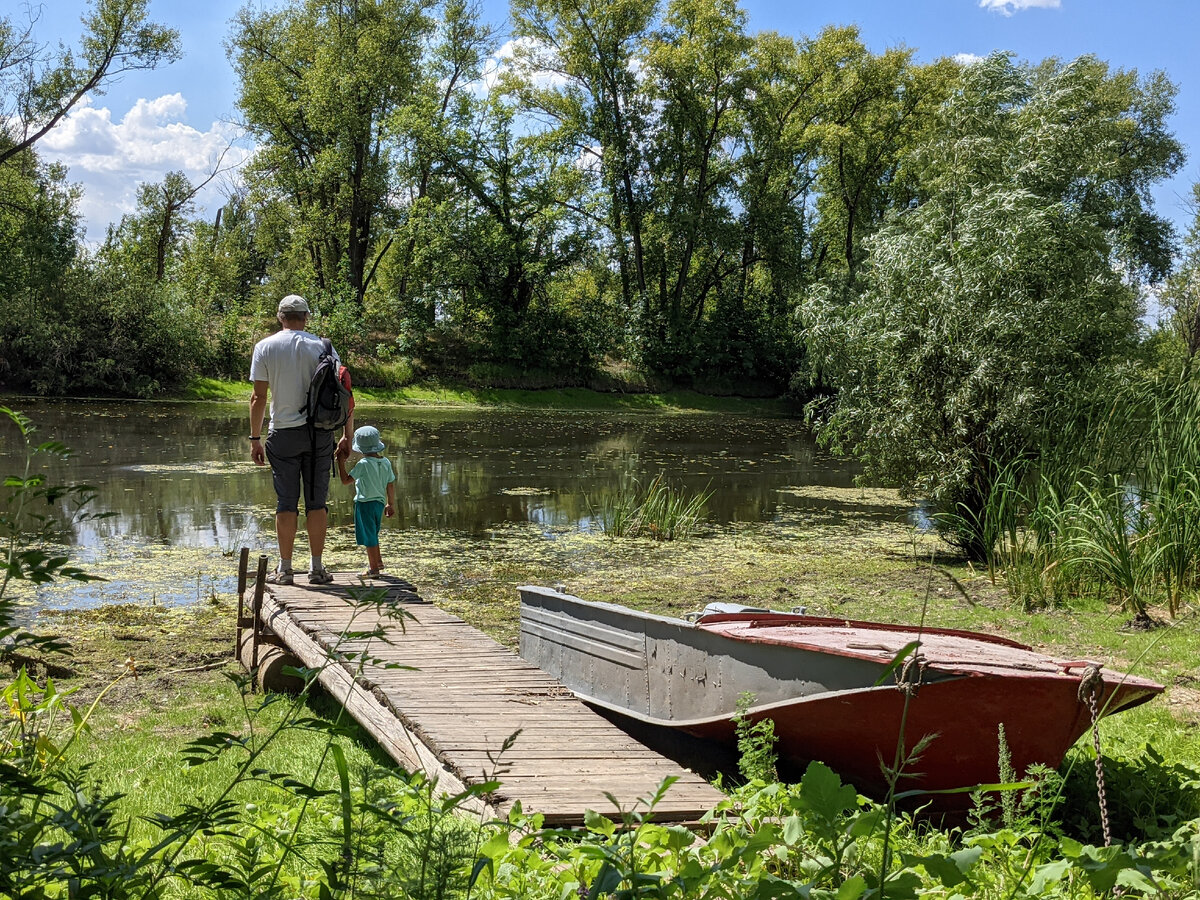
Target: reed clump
[[660, 511], [1111, 509]]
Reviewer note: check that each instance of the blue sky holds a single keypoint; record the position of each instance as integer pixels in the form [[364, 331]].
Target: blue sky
[[180, 116]]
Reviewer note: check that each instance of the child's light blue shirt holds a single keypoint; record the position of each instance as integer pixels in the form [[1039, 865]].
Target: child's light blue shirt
[[372, 475]]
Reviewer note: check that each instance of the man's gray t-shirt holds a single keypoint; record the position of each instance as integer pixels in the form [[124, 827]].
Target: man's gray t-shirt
[[286, 361]]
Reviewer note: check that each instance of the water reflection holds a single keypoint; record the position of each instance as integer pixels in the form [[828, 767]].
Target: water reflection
[[178, 474]]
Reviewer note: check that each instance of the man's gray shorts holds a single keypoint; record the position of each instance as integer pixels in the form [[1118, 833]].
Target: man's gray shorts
[[290, 452]]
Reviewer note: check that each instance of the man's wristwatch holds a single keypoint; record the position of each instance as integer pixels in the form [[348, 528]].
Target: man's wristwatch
[[255, 437]]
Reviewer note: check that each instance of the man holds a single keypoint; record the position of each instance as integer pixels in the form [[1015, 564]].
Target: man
[[283, 365]]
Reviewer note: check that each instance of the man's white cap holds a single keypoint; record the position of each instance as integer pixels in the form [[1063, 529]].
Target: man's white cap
[[293, 303]]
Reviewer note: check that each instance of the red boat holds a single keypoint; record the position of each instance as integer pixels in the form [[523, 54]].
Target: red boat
[[837, 690]]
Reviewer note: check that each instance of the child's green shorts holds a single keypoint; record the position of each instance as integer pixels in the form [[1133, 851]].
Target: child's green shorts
[[367, 516]]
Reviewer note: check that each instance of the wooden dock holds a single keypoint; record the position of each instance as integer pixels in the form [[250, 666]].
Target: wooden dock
[[463, 697]]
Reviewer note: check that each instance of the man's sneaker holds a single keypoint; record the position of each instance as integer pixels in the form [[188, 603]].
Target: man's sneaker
[[320, 576], [281, 578]]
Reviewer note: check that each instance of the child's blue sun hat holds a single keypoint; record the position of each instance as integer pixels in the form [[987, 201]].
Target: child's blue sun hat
[[366, 440]]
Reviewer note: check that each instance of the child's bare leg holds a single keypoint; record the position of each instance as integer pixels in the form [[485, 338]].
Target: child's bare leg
[[374, 558]]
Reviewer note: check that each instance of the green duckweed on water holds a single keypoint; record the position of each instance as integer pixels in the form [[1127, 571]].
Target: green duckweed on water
[[216, 467]]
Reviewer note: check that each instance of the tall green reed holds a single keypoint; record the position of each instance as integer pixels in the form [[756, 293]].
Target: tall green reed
[[1169, 474], [1109, 538], [661, 511], [1109, 506]]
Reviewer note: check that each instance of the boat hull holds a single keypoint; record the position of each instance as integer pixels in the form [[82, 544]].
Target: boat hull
[[830, 687]]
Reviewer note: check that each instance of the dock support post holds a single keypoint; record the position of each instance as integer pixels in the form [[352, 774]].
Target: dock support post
[[256, 646], [242, 621], [260, 584]]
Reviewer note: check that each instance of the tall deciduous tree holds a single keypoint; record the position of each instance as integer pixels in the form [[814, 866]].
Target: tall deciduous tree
[[874, 113], [39, 87], [443, 102], [1181, 296], [37, 245], [320, 81], [1005, 288], [583, 62], [697, 67], [149, 239]]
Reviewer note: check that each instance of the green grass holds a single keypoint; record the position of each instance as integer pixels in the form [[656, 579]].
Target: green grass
[[136, 747], [553, 398]]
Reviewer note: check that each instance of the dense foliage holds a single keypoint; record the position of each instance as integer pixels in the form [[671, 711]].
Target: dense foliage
[[645, 182], [1003, 292], [629, 194]]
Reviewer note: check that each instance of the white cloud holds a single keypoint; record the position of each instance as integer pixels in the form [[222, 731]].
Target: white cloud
[[1008, 7], [110, 159], [967, 59], [522, 54]]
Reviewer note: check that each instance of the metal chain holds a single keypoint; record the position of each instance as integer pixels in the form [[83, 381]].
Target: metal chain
[[1089, 689]]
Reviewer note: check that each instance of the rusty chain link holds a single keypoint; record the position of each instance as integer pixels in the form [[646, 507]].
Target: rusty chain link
[[1089, 690]]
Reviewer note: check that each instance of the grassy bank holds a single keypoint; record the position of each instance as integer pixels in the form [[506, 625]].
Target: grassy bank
[[842, 553], [166, 678], [433, 394]]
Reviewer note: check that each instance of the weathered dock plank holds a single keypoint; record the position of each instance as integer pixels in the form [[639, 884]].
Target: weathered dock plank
[[464, 696]]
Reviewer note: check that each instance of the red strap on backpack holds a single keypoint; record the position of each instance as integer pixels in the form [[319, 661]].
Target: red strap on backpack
[[344, 378]]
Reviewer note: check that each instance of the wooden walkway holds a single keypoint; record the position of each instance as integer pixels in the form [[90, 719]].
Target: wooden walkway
[[464, 696]]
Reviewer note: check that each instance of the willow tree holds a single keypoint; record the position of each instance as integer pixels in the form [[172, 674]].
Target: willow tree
[[1006, 289], [1181, 297], [320, 81]]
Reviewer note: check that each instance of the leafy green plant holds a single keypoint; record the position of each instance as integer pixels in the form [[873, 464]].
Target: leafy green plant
[[1149, 795], [32, 514], [1107, 537], [757, 756]]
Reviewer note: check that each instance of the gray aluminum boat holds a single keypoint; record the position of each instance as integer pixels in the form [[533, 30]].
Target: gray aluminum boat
[[831, 686]]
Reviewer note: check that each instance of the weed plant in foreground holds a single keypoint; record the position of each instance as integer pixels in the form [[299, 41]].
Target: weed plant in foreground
[[365, 831]]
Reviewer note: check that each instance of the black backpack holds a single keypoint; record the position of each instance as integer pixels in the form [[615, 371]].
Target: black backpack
[[328, 403]]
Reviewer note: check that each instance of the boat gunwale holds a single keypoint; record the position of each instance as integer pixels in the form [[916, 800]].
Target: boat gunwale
[[774, 619], [760, 619]]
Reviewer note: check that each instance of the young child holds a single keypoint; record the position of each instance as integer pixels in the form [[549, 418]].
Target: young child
[[374, 492]]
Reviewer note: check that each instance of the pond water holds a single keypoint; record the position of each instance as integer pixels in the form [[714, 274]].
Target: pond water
[[179, 475]]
